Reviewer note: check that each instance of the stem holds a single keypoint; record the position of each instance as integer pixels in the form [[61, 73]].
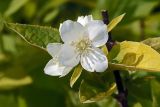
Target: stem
[[122, 93], [142, 27]]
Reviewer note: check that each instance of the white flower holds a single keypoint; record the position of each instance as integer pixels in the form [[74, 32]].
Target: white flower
[[81, 41], [53, 67], [85, 19]]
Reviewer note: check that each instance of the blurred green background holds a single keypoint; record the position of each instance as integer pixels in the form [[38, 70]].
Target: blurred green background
[[22, 79]]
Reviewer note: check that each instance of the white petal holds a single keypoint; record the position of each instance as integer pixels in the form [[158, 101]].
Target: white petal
[[71, 31], [97, 32], [54, 48], [66, 71], [101, 66], [94, 60], [85, 20], [69, 56], [87, 63], [52, 68]]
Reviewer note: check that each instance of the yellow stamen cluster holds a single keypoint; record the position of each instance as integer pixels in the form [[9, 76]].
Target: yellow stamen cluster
[[82, 45]]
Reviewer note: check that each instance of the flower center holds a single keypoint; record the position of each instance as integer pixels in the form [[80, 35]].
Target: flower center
[[82, 45]]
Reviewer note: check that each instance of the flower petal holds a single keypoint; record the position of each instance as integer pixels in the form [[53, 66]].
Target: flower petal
[[71, 31], [87, 63], [52, 68], [66, 71], [85, 20], [94, 60], [97, 32], [69, 56], [54, 49], [101, 66]]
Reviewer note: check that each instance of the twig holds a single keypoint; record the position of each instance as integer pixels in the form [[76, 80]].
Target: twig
[[122, 93], [142, 28]]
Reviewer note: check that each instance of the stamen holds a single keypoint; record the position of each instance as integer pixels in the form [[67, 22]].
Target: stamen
[[82, 45]]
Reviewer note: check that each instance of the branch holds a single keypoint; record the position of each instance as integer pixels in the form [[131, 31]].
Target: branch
[[122, 94]]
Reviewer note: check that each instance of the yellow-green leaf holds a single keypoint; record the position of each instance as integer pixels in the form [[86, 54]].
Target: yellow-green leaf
[[114, 22], [76, 74], [14, 6], [96, 86], [94, 94], [134, 56], [153, 42], [105, 50], [9, 83]]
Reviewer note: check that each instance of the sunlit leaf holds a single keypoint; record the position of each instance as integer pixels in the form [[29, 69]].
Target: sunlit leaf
[[76, 74], [30, 9], [36, 35], [105, 50], [22, 102], [9, 44], [9, 83], [14, 6], [51, 16], [153, 42], [114, 22], [134, 56]]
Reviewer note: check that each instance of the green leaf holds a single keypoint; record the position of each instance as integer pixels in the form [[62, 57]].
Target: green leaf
[[94, 94], [114, 22], [8, 99], [152, 23], [155, 85], [95, 87], [153, 42], [10, 83], [36, 35], [76, 74], [37, 97], [30, 9], [51, 16], [21, 102], [134, 9], [139, 91], [14, 76], [134, 56], [109, 101], [1, 22], [14, 6], [145, 8]]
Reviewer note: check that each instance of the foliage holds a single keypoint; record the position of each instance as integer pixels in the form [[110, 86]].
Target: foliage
[[22, 79], [134, 56]]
